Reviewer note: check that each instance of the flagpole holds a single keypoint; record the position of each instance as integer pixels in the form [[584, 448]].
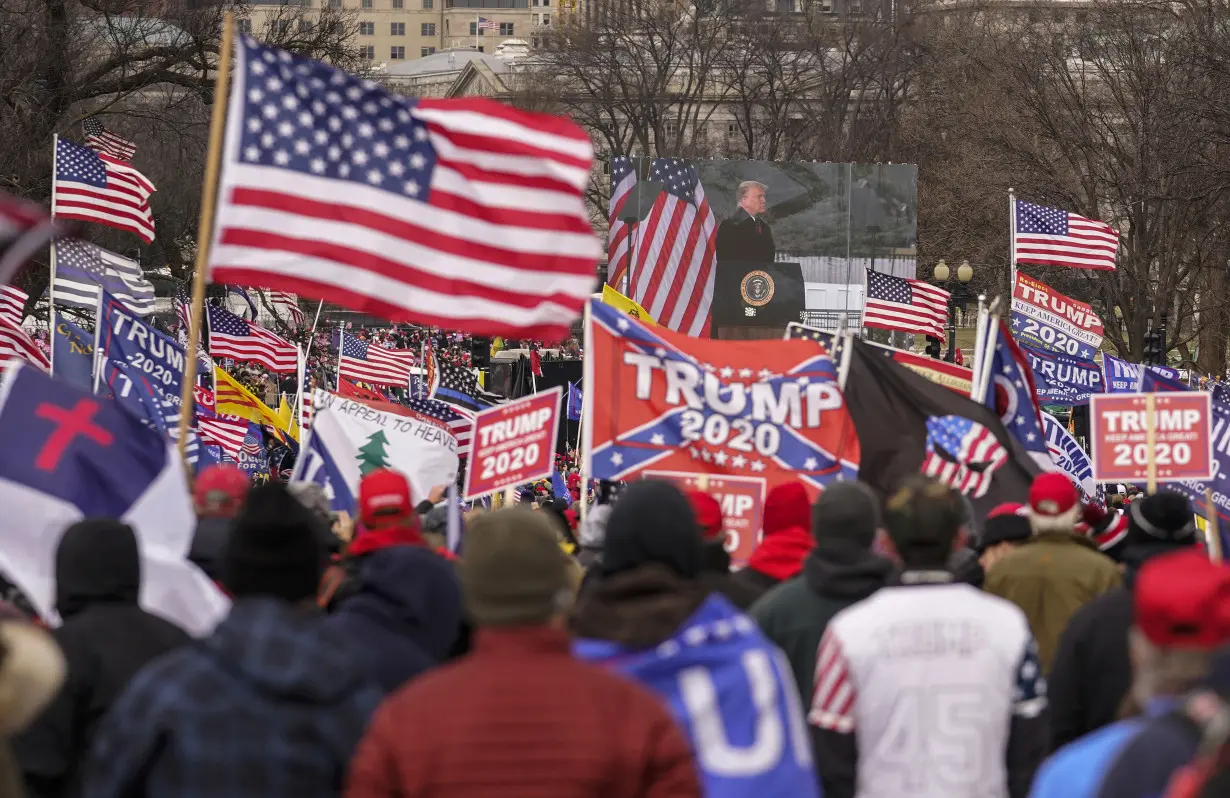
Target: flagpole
[[586, 436], [301, 369], [51, 285], [476, 24], [209, 195], [97, 340], [980, 334], [1011, 242], [312, 334]]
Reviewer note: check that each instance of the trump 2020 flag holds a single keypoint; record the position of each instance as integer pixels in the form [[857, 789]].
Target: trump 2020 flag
[[1155, 379], [1067, 453], [69, 455], [1010, 393], [1061, 379], [1120, 375], [1220, 483], [574, 402], [734, 694]]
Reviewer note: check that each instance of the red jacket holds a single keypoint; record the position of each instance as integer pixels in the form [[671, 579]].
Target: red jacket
[[520, 717]]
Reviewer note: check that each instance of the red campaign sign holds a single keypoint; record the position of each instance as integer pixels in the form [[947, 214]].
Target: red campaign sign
[[768, 410], [513, 443], [742, 501], [1183, 440]]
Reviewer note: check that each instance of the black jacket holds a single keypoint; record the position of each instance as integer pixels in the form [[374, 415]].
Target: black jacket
[[106, 638], [208, 545], [744, 239], [717, 578]]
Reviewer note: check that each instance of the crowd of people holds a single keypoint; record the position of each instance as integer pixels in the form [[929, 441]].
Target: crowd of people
[[872, 646]]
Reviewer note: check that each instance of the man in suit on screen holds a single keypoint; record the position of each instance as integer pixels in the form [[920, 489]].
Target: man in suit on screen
[[745, 236]]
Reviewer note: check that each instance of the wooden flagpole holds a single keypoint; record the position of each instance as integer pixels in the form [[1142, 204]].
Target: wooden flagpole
[[1150, 444], [205, 226], [1212, 530]]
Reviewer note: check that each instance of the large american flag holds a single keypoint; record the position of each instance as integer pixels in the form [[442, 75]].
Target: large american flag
[[361, 361], [1054, 237], [618, 237], [103, 141], [13, 304], [99, 188], [462, 214], [246, 341], [80, 270], [16, 345], [673, 276], [898, 303]]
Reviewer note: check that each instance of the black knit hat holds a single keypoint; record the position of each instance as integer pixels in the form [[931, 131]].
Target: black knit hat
[[274, 547], [652, 522], [1161, 522], [847, 513]]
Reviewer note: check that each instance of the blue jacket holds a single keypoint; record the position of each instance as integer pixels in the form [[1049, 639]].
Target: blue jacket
[[1078, 769], [404, 615], [270, 706]]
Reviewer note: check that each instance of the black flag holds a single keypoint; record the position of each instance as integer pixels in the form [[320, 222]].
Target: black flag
[[908, 425]]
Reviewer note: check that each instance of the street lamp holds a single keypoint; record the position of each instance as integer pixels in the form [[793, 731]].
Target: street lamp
[[958, 295]]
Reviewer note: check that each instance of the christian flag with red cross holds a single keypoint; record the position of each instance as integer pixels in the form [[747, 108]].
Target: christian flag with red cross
[[767, 410]]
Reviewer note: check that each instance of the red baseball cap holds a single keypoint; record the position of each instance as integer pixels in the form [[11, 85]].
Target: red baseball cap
[[1183, 601], [219, 491], [708, 514], [384, 498]]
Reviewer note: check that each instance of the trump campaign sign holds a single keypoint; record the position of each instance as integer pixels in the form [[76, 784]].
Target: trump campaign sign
[[765, 409], [1046, 319], [742, 502], [513, 443], [1119, 428]]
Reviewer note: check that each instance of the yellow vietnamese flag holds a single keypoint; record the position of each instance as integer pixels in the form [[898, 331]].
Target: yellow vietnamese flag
[[622, 303], [286, 415], [232, 399]]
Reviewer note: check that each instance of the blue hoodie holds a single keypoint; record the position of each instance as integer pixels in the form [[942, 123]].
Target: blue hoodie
[[404, 615]]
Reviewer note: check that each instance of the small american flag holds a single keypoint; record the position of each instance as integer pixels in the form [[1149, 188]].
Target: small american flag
[[487, 24], [675, 247], [103, 141], [16, 345], [13, 304], [460, 425], [99, 188], [361, 361], [962, 454], [462, 214], [618, 238], [287, 305], [254, 442], [306, 420], [246, 341], [897, 303], [230, 433], [1054, 237]]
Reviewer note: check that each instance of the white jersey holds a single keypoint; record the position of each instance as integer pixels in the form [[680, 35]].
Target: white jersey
[[928, 678]]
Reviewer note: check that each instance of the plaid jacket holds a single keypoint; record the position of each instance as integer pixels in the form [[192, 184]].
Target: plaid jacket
[[271, 705]]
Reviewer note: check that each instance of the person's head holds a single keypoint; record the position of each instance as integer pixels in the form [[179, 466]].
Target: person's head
[[1054, 505], [514, 572], [787, 506], [925, 522], [97, 561], [846, 514], [712, 526], [385, 500], [275, 548], [314, 498], [219, 491], [752, 197], [1158, 524], [652, 523], [1181, 616], [1006, 527]]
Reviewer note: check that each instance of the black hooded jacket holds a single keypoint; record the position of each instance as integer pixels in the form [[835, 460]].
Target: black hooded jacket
[[106, 638]]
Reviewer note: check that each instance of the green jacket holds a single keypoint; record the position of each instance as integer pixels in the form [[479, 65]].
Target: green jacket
[[795, 614], [1051, 576]]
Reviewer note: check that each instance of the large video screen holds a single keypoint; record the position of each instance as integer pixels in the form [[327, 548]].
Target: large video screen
[[673, 219]]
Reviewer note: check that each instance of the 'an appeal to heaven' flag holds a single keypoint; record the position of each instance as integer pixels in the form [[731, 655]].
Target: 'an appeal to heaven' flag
[[725, 408], [896, 303], [462, 214], [80, 270], [1054, 237], [733, 693], [1010, 393], [1063, 380], [910, 425], [362, 361], [1046, 319], [248, 342], [99, 188], [1071, 458], [73, 351], [70, 456]]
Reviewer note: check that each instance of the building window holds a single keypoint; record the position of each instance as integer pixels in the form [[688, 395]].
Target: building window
[[281, 26], [305, 27], [397, 29], [335, 3], [426, 51], [367, 28], [546, 19], [399, 3], [473, 28], [428, 5], [365, 3], [397, 53], [427, 29], [367, 52], [506, 29], [245, 26]]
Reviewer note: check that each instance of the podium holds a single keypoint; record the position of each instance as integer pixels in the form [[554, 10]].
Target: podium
[[755, 301]]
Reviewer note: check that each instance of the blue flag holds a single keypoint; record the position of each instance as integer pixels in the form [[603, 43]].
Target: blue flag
[[138, 396], [1069, 456], [317, 464], [559, 488], [574, 402], [1010, 393], [1220, 483], [734, 694], [1061, 379], [1154, 379], [73, 354], [133, 352], [1121, 376], [252, 458]]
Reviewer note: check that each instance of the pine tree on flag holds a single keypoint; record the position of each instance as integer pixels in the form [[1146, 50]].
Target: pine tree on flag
[[372, 455]]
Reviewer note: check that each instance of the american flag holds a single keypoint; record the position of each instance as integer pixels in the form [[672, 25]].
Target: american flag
[[254, 442], [99, 188], [25, 228], [673, 277], [962, 454], [897, 303], [487, 24], [16, 345], [13, 304], [619, 238], [228, 432], [287, 305], [305, 422], [462, 214], [361, 361], [103, 141], [460, 425], [246, 341], [1054, 237], [81, 269]]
